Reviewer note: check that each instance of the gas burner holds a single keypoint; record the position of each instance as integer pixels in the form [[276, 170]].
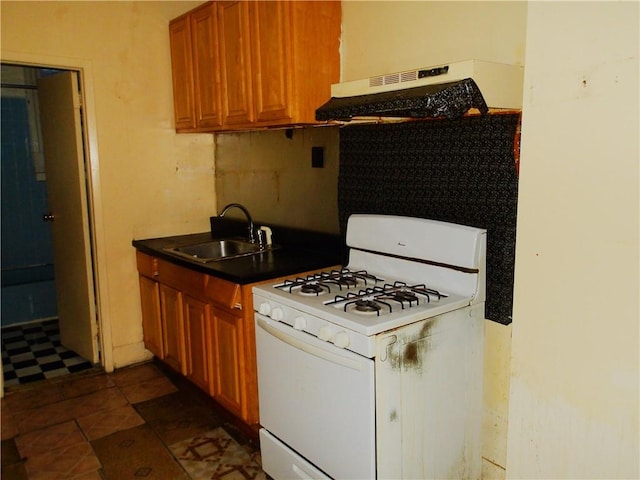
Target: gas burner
[[405, 296], [313, 288], [357, 278], [303, 286], [366, 306], [324, 282], [402, 293], [348, 281]]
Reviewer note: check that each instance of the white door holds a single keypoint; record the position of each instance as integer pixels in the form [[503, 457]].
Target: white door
[[59, 100]]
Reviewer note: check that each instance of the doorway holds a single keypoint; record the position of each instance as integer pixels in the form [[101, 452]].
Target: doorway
[[31, 245]]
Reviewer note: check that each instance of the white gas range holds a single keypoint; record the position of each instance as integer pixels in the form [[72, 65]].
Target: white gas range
[[375, 370]]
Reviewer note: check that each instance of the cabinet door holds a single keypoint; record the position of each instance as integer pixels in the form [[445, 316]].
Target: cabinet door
[[315, 42], [271, 60], [233, 21], [182, 72], [173, 327], [206, 66], [151, 322], [197, 321], [227, 360]]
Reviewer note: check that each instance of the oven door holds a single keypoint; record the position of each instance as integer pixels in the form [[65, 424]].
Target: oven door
[[318, 400]]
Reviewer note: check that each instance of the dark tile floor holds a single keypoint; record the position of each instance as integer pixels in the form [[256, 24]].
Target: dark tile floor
[[33, 352], [137, 422]]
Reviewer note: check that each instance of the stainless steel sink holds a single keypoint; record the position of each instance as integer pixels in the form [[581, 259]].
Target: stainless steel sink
[[216, 250]]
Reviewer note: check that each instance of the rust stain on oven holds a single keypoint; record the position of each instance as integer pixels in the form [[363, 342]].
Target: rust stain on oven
[[411, 353], [410, 356], [425, 331]]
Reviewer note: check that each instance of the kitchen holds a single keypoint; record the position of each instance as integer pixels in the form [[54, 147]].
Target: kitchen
[[576, 428]]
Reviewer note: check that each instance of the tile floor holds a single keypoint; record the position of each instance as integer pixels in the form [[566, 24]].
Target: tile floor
[[33, 352], [137, 422]]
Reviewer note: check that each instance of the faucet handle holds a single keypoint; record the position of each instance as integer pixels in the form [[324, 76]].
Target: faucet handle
[[264, 236]]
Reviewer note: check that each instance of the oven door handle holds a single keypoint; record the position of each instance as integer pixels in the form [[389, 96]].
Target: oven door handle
[[304, 346]]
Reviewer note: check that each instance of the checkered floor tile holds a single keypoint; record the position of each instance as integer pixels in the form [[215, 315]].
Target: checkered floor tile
[[33, 352]]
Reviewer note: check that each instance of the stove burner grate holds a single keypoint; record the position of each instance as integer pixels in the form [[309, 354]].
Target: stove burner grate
[[382, 298], [428, 292], [320, 283]]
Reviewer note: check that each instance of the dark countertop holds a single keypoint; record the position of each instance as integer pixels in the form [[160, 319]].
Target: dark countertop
[[299, 251]]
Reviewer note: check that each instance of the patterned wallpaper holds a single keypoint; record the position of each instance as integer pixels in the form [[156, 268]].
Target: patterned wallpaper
[[461, 171]]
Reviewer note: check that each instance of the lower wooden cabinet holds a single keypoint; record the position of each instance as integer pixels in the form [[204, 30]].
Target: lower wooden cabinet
[[227, 353], [198, 344], [172, 328], [151, 321], [197, 324]]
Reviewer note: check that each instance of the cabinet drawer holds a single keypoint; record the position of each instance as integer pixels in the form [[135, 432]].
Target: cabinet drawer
[[147, 265], [222, 292], [188, 281]]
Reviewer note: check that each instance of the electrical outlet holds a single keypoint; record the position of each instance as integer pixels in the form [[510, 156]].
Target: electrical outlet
[[317, 157]]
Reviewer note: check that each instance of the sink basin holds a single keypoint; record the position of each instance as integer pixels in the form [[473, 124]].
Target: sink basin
[[216, 250]]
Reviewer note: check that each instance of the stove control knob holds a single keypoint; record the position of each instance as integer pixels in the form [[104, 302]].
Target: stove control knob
[[264, 309], [325, 333], [277, 313], [341, 340], [300, 323]]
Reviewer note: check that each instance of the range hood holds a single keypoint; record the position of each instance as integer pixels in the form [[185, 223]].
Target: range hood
[[448, 90]]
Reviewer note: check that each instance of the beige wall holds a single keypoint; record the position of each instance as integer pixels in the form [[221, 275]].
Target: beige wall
[[147, 180], [271, 175], [390, 36], [575, 365]]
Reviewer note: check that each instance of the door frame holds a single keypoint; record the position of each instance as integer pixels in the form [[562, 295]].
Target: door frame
[[84, 68]]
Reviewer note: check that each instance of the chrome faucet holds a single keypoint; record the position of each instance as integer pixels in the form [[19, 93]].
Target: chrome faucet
[[252, 237]]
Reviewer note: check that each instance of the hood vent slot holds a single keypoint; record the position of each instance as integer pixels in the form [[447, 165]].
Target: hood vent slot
[[402, 77], [390, 79]]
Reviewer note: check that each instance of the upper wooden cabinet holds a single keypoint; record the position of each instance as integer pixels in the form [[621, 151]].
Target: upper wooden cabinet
[[254, 65], [195, 68], [206, 67], [182, 73], [234, 46]]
